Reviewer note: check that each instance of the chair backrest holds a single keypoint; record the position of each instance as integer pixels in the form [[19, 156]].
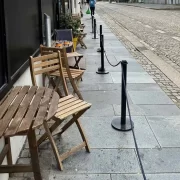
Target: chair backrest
[[45, 65], [44, 50], [64, 34], [64, 62]]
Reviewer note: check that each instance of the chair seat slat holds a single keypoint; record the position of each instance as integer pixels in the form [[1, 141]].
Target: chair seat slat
[[67, 101], [66, 98], [71, 104], [63, 116], [74, 54], [61, 112]]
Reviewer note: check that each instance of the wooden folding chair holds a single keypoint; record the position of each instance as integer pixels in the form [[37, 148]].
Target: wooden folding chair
[[81, 36], [69, 106], [75, 55], [74, 75]]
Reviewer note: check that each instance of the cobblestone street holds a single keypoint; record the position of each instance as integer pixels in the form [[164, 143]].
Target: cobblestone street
[[157, 30]]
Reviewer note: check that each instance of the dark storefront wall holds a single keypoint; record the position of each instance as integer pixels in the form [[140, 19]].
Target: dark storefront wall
[[21, 19], [23, 29], [3, 62]]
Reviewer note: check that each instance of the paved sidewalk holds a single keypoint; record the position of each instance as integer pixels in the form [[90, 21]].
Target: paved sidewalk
[[153, 6], [113, 154]]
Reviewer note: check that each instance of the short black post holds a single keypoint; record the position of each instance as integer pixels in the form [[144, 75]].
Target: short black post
[[100, 30], [95, 29], [92, 18], [102, 70], [124, 123]]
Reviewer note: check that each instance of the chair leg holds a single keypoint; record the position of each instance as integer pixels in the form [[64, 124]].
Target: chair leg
[[54, 147], [34, 154], [51, 129], [9, 153], [75, 119], [83, 135], [70, 122]]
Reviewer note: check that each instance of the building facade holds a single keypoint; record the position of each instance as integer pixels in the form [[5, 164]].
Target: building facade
[[21, 33]]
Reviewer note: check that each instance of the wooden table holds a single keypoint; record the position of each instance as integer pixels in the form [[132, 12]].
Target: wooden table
[[77, 57], [63, 45], [23, 110]]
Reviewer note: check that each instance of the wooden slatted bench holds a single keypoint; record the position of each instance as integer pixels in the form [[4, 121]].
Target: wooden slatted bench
[[22, 111]]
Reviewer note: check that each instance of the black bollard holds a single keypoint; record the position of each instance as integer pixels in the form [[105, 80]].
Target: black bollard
[[100, 30], [102, 70], [124, 123], [92, 18], [95, 29]]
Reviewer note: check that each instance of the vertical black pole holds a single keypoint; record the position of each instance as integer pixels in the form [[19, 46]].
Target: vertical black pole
[[94, 28], [123, 92], [92, 17], [102, 70], [100, 29], [102, 52], [123, 124]]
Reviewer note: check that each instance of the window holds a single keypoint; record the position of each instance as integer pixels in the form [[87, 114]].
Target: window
[[20, 36]]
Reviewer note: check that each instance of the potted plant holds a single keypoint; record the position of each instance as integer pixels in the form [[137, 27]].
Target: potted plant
[[68, 22], [75, 25]]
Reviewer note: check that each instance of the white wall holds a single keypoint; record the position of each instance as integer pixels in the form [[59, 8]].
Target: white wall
[[75, 6], [18, 141]]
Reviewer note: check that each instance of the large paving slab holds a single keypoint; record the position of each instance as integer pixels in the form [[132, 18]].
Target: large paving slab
[[149, 97], [166, 130], [93, 78], [101, 161], [100, 109], [126, 177], [166, 176], [107, 137], [150, 110], [133, 77], [106, 97], [59, 176], [164, 160], [143, 87]]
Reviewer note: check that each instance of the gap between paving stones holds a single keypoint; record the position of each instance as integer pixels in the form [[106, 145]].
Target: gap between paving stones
[[170, 88]]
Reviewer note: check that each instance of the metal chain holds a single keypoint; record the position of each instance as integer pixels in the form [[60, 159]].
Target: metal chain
[[113, 65]]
